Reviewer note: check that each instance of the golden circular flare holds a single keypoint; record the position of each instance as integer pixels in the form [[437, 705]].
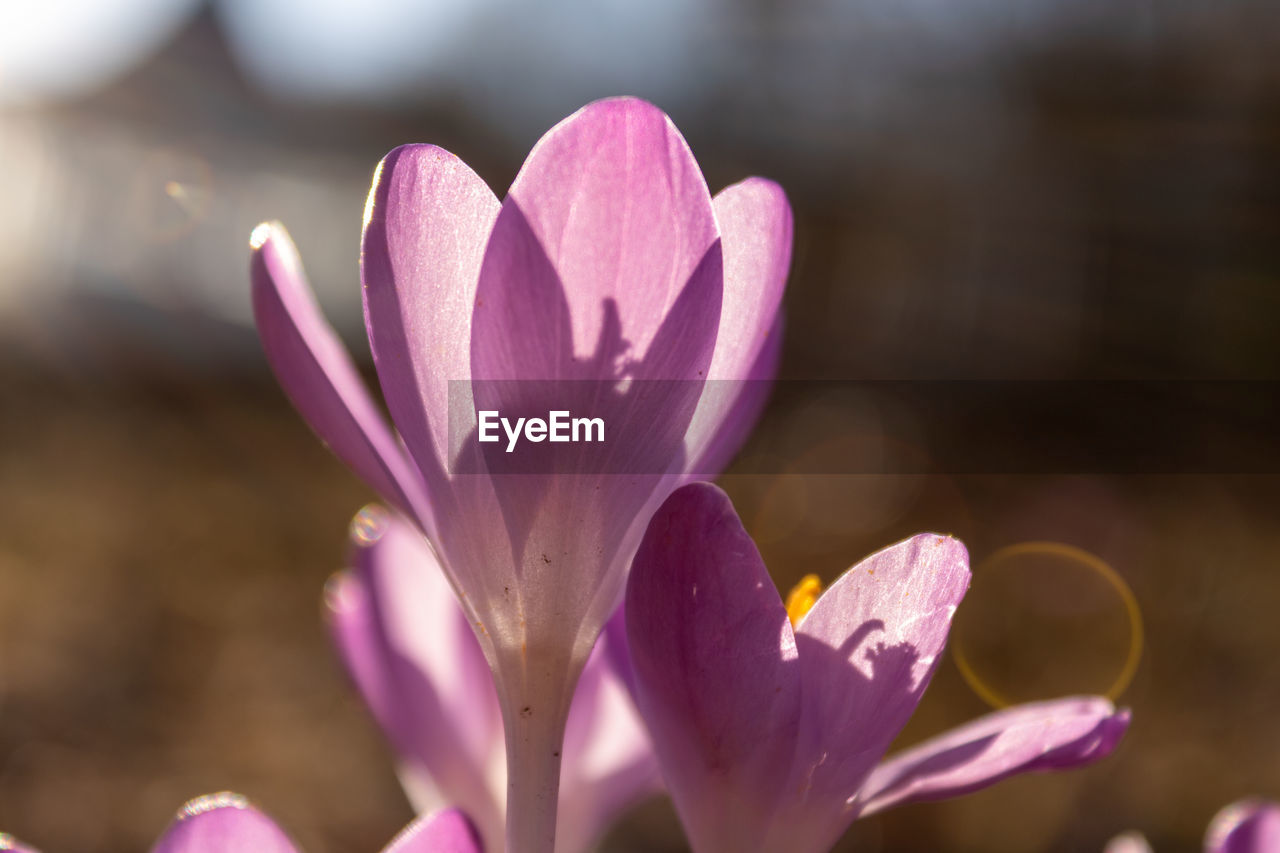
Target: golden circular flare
[[1100, 568]]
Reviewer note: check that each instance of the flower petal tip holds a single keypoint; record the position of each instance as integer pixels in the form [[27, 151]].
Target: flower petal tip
[[763, 189], [413, 154], [1128, 842], [264, 232], [617, 105], [211, 802], [1112, 731], [445, 831], [224, 821], [1246, 826]]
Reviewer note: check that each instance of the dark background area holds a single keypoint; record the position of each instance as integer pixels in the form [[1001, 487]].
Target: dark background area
[[1042, 191]]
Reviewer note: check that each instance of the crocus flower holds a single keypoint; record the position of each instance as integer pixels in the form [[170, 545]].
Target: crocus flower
[[771, 738], [228, 823], [410, 650], [609, 262], [1246, 826]]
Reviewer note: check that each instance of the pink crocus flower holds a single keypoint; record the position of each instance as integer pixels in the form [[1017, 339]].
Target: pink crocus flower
[[1245, 826], [411, 652], [228, 823], [772, 738], [608, 261]]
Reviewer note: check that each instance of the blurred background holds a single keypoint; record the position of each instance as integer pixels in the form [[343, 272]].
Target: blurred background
[[1045, 190]]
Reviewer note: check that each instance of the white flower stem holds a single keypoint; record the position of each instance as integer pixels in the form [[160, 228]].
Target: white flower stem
[[535, 711]]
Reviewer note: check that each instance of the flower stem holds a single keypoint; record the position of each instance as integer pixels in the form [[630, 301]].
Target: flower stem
[[535, 714]]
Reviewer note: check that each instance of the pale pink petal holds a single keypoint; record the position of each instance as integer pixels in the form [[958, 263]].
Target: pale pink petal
[[756, 230], [447, 831], [427, 222], [316, 373], [1054, 735], [868, 649], [614, 206], [614, 641], [609, 764], [744, 409], [416, 661], [715, 669], [1247, 826], [357, 635], [604, 263], [222, 823]]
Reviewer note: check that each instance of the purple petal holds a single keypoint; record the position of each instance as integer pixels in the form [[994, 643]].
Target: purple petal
[[867, 651], [354, 628], [1248, 826], [447, 831], [614, 641], [222, 823], [427, 222], [744, 410], [611, 209], [756, 229], [416, 661], [1055, 735], [609, 764], [316, 373], [714, 663], [604, 263], [8, 842]]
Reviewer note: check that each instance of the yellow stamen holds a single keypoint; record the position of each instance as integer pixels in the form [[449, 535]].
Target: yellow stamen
[[802, 598]]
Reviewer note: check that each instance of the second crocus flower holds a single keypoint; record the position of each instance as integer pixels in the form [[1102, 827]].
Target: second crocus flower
[[772, 738]]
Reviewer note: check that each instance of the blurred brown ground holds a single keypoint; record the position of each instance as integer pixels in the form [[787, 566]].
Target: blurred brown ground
[[168, 522]]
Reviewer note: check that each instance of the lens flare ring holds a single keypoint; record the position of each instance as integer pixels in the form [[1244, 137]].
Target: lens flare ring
[[1099, 567]]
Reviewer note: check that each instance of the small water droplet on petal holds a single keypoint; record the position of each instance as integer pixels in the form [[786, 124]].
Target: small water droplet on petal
[[369, 525]]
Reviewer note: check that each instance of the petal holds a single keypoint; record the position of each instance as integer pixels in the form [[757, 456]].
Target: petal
[[1055, 735], [867, 651], [416, 661], [614, 641], [1248, 826], [317, 374], [609, 764], [744, 409], [447, 831], [714, 666], [756, 229], [222, 823], [427, 222], [604, 262], [355, 631], [613, 207], [1128, 842]]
